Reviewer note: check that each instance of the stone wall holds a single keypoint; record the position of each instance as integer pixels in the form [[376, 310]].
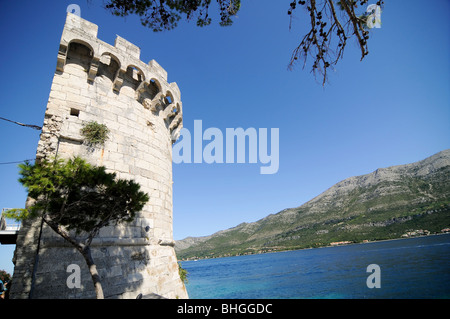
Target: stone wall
[[95, 81]]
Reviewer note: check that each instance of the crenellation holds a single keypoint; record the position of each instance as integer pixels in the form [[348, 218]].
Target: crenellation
[[157, 69], [126, 58], [75, 23], [128, 47]]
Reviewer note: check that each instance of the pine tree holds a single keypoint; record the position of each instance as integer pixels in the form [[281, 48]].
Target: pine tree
[[76, 200]]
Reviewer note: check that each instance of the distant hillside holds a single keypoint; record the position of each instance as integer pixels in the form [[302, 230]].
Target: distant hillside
[[384, 204]]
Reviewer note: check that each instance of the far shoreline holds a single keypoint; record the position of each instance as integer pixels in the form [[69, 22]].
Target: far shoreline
[[328, 246]]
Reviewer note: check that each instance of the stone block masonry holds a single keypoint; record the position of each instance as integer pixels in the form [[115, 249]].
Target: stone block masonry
[[95, 81]]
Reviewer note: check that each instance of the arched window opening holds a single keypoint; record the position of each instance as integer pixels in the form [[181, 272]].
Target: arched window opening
[[108, 66], [79, 54], [153, 88], [133, 77], [168, 99]]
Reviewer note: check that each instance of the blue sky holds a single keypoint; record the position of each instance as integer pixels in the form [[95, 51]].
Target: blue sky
[[390, 109]]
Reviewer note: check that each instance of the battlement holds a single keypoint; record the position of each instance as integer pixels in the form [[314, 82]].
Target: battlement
[[121, 63]]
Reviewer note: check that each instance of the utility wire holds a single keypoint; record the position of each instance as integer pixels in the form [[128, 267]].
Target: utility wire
[[34, 127], [17, 162]]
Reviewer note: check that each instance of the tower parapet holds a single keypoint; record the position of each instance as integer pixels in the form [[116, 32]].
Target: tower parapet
[[95, 81], [122, 62]]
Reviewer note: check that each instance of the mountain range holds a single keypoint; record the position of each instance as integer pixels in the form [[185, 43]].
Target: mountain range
[[393, 202]]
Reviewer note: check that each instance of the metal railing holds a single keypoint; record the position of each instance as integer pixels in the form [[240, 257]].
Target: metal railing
[[8, 224]]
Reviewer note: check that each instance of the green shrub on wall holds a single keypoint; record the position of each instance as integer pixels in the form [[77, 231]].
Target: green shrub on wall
[[95, 133]]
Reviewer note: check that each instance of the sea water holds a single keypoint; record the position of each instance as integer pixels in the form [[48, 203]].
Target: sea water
[[408, 268]]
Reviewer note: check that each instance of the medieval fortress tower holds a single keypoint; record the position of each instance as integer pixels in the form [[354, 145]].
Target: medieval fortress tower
[[95, 81]]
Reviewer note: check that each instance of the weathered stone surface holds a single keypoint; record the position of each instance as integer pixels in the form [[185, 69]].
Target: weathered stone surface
[[95, 81]]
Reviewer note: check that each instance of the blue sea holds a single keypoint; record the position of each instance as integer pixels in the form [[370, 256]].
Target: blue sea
[[408, 268]]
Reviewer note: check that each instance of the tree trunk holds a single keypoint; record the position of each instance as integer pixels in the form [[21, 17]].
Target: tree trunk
[[86, 252]]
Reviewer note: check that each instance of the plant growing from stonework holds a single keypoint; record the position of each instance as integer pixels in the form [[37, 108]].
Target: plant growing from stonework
[[183, 273], [76, 200], [94, 133]]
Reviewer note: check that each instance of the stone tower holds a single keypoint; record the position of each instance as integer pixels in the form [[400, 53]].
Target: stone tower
[[95, 81]]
